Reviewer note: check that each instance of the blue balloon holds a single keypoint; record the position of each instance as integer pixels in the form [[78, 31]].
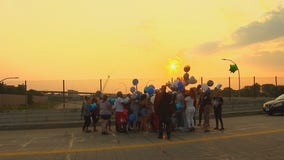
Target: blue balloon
[[111, 100], [152, 86], [135, 81], [208, 91], [146, 89], [132, 117], [178, 106], [93, 106], [151, 90], [132, 89], [180, 86]]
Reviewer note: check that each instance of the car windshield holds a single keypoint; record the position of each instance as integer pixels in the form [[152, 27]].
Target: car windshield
[[280, 97]]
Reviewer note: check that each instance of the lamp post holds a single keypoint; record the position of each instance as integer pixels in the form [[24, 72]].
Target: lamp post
[[2, 80], [237, 68]]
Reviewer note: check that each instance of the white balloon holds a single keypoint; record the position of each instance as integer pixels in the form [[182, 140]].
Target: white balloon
[[176, 83], [192, 80], [204, 87], [218, 86]]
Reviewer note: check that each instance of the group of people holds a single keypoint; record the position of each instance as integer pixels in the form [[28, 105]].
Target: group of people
[[163, 111]]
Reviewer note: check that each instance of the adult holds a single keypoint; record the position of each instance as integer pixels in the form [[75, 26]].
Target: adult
[[86, 112], [205, 102], [217, 105], [198, 106], [105, 113], [190, 102], [120, 117], [164, 111], [95, 110]]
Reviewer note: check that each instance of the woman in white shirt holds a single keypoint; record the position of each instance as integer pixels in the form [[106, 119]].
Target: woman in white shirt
[[190, 102]]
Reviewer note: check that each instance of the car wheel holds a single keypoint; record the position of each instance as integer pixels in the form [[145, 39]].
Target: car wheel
[[270, 113]]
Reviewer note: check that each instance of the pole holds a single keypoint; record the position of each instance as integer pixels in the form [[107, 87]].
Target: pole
[[101, 85], [63, 94], [276, 86], [239, 78], [26, 94], [230, 92], [254, 87]]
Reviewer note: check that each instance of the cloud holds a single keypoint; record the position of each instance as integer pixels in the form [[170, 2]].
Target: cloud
[[208, 47], [271, 59], [270, 27]]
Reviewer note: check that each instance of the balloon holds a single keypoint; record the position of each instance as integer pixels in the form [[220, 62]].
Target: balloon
[[146, 89], [180, 86], [233, 68], [186, 68], [178, 106], [186, 76], [111, 100], [132, 117], [135, 82], [218, 86], [93, 106], [210, 83], [192, 80], [204, 87], [152, 86], [151, 90], [208, 90], [170, 85], [132, 89], [175, 84]]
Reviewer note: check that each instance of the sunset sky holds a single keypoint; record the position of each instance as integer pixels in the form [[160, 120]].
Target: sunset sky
[[90, 39]]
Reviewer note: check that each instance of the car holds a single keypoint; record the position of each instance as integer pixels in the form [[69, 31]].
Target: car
[[274, 106]]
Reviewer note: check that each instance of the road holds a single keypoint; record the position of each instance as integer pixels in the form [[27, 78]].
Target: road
[[246, 137]]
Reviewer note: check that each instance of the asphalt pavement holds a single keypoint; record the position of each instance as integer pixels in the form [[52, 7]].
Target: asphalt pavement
[[245, 137]]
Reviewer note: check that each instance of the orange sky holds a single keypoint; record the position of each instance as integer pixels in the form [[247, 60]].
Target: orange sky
[[90, 39]]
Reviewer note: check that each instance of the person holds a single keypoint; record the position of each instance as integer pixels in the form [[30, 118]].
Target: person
[[134, 108], [155, 118], [180, 115], [199, 107], [105, 113], [86, 112], [143, 112], [205, 102], [217, 105], [95, 110], [120, 116], [164, 111], [190, 102]]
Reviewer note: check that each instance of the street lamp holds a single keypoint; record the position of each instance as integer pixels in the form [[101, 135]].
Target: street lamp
[[2, 80], [233, 68]]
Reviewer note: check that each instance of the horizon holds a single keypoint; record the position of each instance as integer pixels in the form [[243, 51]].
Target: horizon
[[114, 85]]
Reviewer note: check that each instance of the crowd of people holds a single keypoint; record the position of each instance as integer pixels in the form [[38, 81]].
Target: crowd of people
[[163, 111]]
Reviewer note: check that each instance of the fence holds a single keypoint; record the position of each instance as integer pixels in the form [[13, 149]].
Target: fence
[[113, 85]]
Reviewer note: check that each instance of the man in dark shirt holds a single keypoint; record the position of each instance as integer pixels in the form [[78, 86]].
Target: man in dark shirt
[[164, 111]]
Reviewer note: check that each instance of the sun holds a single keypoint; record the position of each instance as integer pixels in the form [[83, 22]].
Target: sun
[[173, 66]]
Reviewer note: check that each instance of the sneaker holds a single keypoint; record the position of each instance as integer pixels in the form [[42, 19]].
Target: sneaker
[[221, 129], [216, 128], [207, 130]]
